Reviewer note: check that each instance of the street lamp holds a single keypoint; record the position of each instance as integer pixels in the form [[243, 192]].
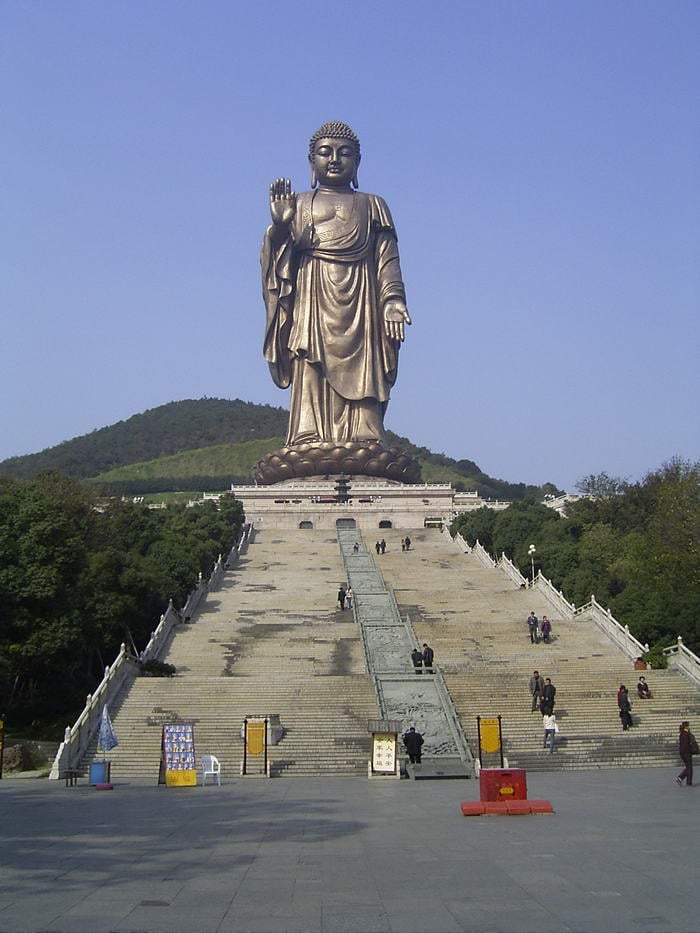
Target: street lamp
[[532, 550]]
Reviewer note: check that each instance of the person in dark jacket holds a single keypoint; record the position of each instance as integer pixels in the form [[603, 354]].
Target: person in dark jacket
[[625, 707], [417, 658], [341, 597], [548, 693], [536, 689], [546, 629], [532, 626], [687, 747], [428, 655], [413, 741], [643, 691]]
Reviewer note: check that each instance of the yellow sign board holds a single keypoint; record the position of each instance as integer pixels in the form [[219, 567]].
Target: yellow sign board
[[181, 778], [255, 734], [490, 735]]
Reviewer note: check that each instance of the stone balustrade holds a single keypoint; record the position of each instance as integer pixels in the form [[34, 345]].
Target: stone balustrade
[[126, 667], [682, 659]]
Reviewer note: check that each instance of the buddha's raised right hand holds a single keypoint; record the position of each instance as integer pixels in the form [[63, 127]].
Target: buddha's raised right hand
[[283, 202]]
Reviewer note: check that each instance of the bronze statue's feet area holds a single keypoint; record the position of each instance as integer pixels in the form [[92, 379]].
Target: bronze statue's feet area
[[353, 458]]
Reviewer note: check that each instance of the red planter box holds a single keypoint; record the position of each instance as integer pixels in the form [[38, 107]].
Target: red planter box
[[502, 784]]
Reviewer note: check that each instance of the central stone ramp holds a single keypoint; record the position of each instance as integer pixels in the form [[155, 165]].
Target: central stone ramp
[[271, 641], [415, 700]]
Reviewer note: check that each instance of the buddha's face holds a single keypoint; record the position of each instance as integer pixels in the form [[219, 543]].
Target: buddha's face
[[335, 162]]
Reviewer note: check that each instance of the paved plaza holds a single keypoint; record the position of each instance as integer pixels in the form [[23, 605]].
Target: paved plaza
[[619, 854]]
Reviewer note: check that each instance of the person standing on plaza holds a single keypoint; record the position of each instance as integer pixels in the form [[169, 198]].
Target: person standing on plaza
[[417, 659], [536, 688], [532, 624], [549, 721], [428, 655], [342, 592], [348, 598], [413, 741], [408, 543], [687, 747]]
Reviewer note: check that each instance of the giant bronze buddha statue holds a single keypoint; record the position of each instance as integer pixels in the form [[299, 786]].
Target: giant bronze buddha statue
[[336, 316]]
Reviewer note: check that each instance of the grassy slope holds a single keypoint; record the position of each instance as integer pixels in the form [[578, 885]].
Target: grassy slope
[[237, 460], [219, 460]]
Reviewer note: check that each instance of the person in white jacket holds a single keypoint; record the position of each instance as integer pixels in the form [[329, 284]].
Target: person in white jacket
[[549, 721]]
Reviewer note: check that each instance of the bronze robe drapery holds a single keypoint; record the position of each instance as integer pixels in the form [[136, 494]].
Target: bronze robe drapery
[[325, 287]]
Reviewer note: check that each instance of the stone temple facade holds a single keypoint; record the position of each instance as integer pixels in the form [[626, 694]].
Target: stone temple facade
[[373, 504]]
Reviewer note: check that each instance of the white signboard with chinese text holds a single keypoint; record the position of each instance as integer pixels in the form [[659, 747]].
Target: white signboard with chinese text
[[384, 752]]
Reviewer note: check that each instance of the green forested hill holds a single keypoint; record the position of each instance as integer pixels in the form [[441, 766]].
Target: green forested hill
[[206, 444], [158, 432]]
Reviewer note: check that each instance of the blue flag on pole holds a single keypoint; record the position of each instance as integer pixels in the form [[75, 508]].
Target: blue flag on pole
[[106, 738]]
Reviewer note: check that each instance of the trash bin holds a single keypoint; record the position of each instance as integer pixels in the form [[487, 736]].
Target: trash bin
[[100, 772], [502, 784]]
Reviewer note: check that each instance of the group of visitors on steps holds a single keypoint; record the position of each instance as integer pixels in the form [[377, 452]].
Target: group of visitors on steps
[[535, 628], [421, 659]]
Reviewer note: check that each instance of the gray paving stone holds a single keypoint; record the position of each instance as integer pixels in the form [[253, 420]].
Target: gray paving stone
[[320, 856]]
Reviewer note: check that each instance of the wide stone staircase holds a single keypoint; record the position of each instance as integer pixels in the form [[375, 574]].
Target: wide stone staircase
[[272, 641], [474, 619]]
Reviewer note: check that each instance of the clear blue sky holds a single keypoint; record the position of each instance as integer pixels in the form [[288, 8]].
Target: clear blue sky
[[540, 160]]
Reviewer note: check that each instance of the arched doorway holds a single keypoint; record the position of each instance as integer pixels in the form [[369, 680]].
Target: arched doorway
[[385, 523], [345, 523], [306, 524]]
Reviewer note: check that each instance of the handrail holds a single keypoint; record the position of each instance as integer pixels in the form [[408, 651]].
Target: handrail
[[554, 596], [451, 714], [510, 570], [620, 634], [482, 555], [77, 739], [683, 660]]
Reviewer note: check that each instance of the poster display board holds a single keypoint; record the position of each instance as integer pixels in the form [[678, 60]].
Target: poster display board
[[179, 762]]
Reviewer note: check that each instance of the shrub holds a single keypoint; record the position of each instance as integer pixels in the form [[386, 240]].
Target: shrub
[[656, 658], [154, 668]]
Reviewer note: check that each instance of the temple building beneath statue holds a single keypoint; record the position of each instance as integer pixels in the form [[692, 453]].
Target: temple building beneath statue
[[373, 504]]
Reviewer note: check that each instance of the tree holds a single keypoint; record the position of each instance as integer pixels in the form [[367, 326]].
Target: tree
[[601, 484], [476, 525], [78, 578]]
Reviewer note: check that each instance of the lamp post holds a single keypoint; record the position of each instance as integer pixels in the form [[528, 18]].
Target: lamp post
[[532, 550]]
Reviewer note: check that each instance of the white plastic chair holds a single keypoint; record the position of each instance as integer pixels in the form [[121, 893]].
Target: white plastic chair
[[210, 766]]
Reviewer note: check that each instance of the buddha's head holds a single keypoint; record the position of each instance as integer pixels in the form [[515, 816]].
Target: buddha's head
[[334, 154]]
